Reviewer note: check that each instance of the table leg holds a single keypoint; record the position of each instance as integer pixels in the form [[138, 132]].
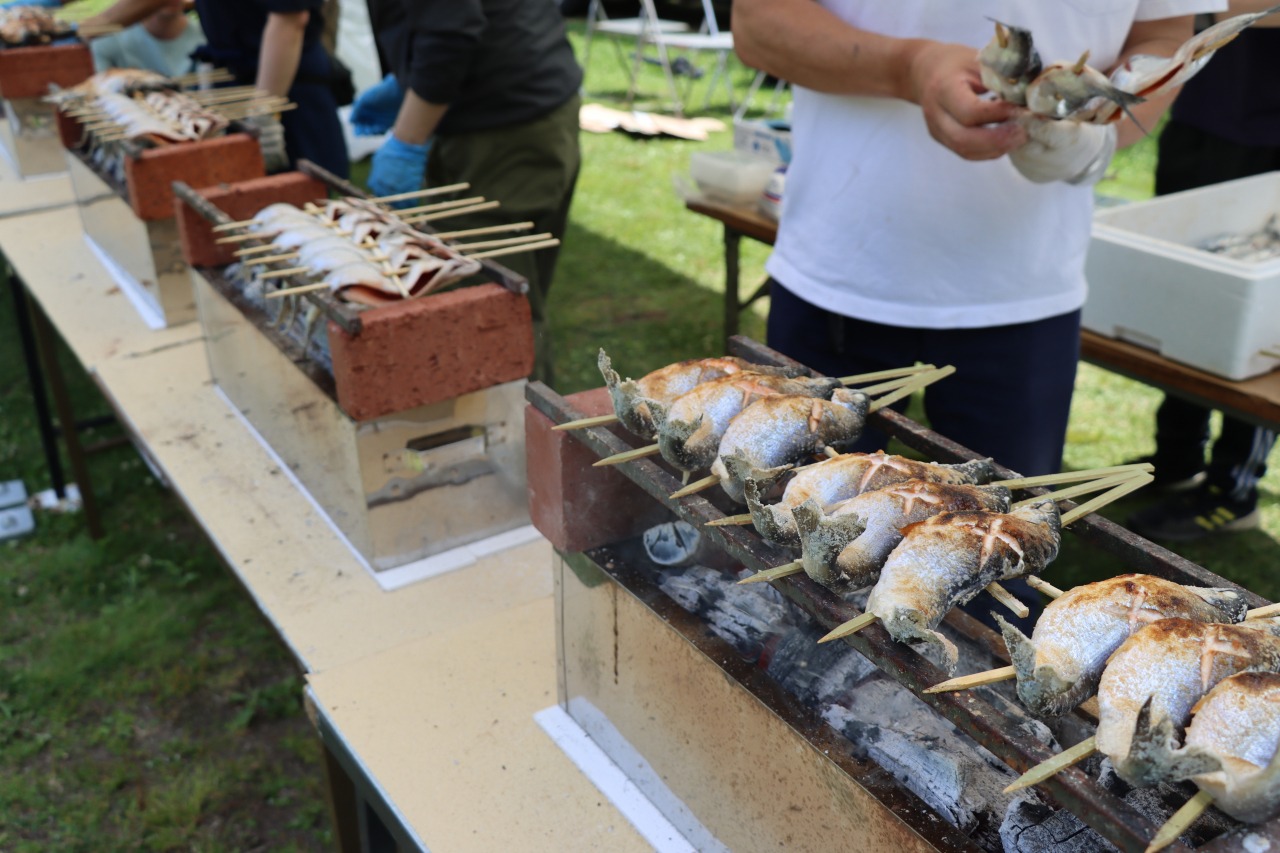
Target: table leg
[[732, 304], [45, 337], [35, 376]]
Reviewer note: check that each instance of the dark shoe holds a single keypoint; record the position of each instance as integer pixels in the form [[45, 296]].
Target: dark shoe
[[1172, 476], [1205, 511]]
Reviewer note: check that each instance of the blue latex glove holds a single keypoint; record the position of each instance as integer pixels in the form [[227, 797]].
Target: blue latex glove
[[50, 4], [375, 110], [398, 167]]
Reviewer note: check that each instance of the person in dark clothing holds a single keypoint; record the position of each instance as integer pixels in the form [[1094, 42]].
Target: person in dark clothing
[[275, 45], [490, 98], [1225, 125]]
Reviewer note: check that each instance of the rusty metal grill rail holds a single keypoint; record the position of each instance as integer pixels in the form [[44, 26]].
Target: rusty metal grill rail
[[995, 730]]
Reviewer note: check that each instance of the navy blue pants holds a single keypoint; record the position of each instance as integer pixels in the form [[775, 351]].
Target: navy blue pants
[[1009, 397], [313, 131]]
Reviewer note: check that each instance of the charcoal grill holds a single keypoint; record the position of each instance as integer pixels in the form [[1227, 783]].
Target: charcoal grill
[[999, 728], [29, 133]]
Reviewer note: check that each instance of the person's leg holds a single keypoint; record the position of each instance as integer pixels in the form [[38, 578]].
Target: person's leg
[[532, 171], [1182, 435], [835, 345], [313, 131], [1010, 396]]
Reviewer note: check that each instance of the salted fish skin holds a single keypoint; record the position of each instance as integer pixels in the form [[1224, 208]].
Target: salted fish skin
[[950, 558], [776, 431], [845, 549], [640, 404], [834, 480], [694, 423], [1058, 667], [1168, 666], [1237, 726]]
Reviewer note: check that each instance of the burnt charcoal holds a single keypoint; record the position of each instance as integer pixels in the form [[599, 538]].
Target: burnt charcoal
[[1159, 802], [1031, 826], [961, 781], [739, 615], [816, 673]]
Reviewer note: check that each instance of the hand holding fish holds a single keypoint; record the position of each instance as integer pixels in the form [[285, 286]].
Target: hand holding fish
[[1069, 151], [946, 82]]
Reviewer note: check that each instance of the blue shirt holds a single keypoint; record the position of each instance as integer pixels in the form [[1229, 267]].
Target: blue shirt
[[136, 48]]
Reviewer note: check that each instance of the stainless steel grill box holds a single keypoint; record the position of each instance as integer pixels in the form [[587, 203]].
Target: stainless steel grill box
[[29, 134]]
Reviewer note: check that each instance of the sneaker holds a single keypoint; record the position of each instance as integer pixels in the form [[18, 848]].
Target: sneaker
[[1205, 511], [1171, 476]]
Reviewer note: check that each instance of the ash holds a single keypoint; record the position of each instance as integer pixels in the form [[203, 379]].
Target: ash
[[960, 780], [292, 316]]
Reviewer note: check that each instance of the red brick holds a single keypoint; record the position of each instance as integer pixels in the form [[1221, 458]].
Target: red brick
[[240, 200], [27, 72], [70, 129], [575, 506], [421, 351], [234, 157]]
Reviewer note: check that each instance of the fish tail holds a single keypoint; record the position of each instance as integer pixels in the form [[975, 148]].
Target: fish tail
[[769, 521], [1152, 750]]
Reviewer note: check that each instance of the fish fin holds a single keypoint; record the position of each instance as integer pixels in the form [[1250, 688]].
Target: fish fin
[[978, 470], [1228, 601], [1021, 650], [1189, 762], [741, 469], [611, 377], [1151, 749], [770, 521], [822, 538], [658, 413]]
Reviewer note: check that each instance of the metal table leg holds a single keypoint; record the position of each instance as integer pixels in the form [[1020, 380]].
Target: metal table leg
[[45, 336], [732, 251], [35, 376]]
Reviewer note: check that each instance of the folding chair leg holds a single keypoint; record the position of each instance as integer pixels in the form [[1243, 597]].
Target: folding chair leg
[[671, 79], [752, 90]]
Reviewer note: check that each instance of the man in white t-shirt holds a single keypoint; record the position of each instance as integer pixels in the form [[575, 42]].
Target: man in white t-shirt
[[907, 234]]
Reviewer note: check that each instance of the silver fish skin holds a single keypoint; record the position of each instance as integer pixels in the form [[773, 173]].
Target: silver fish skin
[[1009, 62], [1067, 90], [1155, 678], [845, 549], [950, 558], [690, 433], [1237, 727], [640, 404], [847, 476], [1058, 667], [778, 431]]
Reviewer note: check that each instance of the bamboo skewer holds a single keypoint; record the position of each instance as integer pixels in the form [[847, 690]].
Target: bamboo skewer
[[1180, 821], [461, 211], [1076, 476], [785, 570], [476, 232], [255, 250], [1081, 489], [407, 212], [1074, 515], [584, 423], [507, 241], [627, 456], [428, 191], [1008, 599], [695, 487], [512, 250], [293, 291], [730, 521], [1056, 764], [977, 679], [1042, 586]]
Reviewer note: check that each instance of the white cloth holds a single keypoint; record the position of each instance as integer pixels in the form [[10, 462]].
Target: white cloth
[[882, 223], [1070, 151]]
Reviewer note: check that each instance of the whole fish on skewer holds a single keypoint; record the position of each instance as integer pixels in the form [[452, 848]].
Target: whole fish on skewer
[[691, 428], [1072, 90], [641, 403], [1236, 731], [845, 549], [781, 430], [843, 477], [1059, 666], [950, 558], [1156, 677], [1009, 62]]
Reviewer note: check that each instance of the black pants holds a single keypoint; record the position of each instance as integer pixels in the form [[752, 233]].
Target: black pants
[[1190, 158], [1009, 397]]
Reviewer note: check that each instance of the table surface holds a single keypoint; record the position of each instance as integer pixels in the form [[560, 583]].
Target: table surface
[[1256, 400], [39, 193], [325, 605]]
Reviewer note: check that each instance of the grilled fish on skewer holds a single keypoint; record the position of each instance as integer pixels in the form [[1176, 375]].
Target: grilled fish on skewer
[[1237, 728], [776, 431], [845, 549], [1066, 90], [847, 476], [641, 403], [1009, 62], [1059, 666], [689, 435], [1155, 678], [950, 558]]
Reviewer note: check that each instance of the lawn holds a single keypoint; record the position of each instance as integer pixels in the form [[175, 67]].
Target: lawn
[[144, 703]]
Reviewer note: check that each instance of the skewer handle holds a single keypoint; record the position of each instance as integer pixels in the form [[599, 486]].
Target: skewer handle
[[978, 679], [891, 373], [1043, 586], [695, 487], [785, 570], [1075, 476], [1102, 500], [1056, 764], [1263, 612], [853, 626], [1007, 598], [917, 382], [731, 521], [584, 423], [626, 456]]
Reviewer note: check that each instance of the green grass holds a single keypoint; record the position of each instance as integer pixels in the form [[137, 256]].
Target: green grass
[[144, 703]]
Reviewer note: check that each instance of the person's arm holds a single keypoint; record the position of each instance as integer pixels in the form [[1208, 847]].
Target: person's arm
[[1246, 7], [281, 51], [124, 13], [417, 119], [1154, 38], [802, 42]]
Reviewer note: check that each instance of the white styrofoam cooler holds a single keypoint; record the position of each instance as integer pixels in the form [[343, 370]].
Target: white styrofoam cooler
[[1148, 285]]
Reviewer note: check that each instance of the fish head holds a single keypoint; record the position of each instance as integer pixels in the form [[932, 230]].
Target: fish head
[[1009, 62], [976, 470]]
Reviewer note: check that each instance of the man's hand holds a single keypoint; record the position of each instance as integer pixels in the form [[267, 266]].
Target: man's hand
[[1064, 151], [944, 80], [398, 167], [375, 110]]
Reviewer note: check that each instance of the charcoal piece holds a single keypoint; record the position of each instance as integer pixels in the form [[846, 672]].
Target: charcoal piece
[[817, 673], [739, 615], [1031, 826], [961, 781]]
